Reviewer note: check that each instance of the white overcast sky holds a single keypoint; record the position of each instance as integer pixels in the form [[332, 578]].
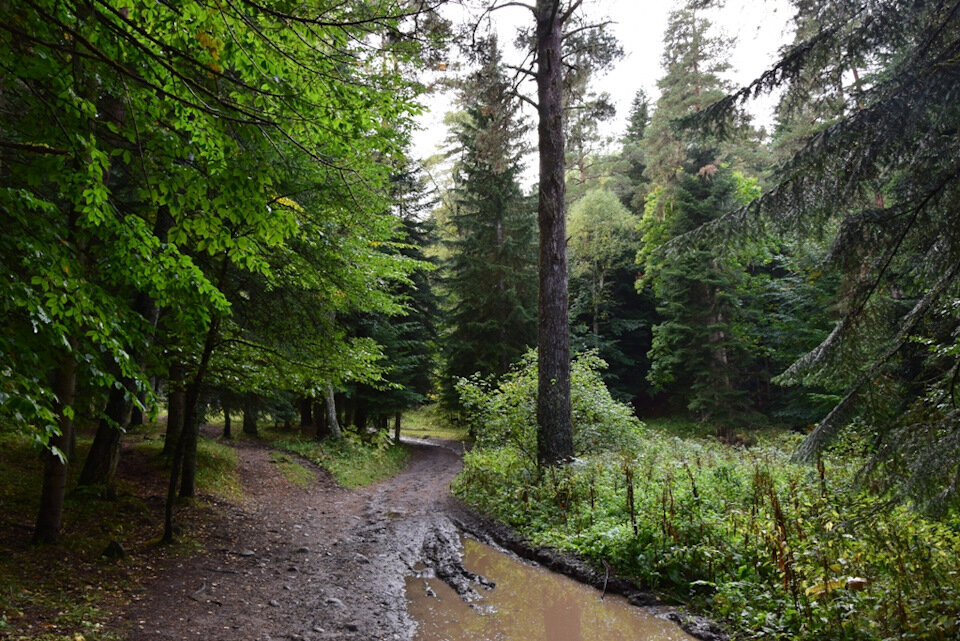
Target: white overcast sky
[[760, 27]]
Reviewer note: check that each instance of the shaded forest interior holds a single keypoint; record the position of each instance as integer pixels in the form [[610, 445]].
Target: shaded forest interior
[[721, 358]]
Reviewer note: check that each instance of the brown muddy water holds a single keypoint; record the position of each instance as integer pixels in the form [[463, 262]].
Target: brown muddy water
[[529, 603]]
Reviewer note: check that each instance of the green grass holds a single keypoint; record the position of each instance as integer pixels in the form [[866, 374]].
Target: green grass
[[352, 462], [217, 472], [428, 422], [291, 470]]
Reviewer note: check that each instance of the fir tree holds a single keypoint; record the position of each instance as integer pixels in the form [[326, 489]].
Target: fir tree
[[491, 275], [695, 354], [880, 179]]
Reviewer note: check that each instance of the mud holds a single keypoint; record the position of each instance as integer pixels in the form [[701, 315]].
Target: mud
[[326, 562]]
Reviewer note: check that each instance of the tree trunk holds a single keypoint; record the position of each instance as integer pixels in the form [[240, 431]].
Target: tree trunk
[[396, 427], [176, 408], [104, 455], [47, 528], [250, 412], [554, 423], [321, 423], [227, 431], [190, 436], [306, 412], [332, 424], [190, 419]]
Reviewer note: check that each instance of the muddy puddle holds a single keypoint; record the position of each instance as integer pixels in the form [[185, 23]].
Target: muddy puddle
[[528, 604]]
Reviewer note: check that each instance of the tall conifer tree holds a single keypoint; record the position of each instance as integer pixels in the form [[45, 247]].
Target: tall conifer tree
[[492, 272], [694, 350]]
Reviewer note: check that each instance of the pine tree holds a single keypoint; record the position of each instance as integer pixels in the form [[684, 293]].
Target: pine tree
[[492, 274]]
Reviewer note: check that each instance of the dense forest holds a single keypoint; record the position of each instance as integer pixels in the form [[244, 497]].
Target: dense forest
[[721, 358]]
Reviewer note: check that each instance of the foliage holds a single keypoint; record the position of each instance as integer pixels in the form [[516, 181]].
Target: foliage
[[779, 550], [503, 413], [352, 461], [491, 274], [427, 421], [876, 174]]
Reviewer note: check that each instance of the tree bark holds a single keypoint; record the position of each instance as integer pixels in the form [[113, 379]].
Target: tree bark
[[332, 424], [176, 408], [554, 422], [396, 427], [250, 413], [190, 419], [47, 528], [321, 421], [104, 455], [190, 436], [227, 426], [306, 412]]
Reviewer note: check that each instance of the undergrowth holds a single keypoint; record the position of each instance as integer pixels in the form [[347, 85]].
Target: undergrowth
[[291, 470], [66, 591], [778, 550], [427, 421], [352, 460]]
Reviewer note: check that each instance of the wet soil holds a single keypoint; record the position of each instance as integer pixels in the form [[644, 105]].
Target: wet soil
[[321, 562], [325, 562]]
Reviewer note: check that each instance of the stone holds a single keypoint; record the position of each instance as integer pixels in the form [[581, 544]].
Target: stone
[[114, 551]]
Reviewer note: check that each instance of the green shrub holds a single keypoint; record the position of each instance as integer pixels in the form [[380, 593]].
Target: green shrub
[[504, 413], [353, 461]]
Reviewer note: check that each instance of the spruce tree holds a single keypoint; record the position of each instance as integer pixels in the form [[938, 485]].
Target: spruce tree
[[630, 182], [491, 276], [695, 354], [879, 181]]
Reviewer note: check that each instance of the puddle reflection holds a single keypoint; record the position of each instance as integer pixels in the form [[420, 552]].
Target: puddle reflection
[[528, 604]]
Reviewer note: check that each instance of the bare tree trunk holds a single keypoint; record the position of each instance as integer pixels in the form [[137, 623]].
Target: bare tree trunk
[[176, 407], [47, 528], [396, 426], [104, 455], [190, 437], [250, 413], [190, 429], [554, 423], [227, 425], [321, 421], [306, 412], [332, 424]]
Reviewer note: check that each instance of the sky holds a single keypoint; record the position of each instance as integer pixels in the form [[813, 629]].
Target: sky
[[760, 27]]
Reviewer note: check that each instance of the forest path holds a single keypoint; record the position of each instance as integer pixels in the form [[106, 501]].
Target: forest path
[[320, 562]]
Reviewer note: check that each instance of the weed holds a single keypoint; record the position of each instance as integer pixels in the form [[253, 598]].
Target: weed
[[779, 550], [291, 470], [352, 461]]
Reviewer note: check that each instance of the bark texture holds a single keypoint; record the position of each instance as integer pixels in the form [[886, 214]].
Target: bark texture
[[554, 423], [47, 528]]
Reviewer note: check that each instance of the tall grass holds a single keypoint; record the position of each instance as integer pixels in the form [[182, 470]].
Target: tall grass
[[779, 550]]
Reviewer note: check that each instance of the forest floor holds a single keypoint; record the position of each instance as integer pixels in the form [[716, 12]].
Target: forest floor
[[314, 562]]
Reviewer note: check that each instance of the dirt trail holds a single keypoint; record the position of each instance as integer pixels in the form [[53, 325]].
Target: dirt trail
[[317, 563]]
